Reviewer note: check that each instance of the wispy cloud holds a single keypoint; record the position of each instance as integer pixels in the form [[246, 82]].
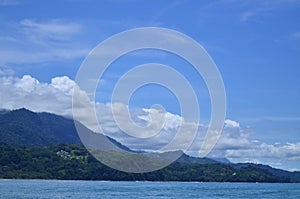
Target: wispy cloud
[[295, 36], [157, 18], [31, 41], [256, 9], [5, 71], [276, 119], [8, 39], [54, 29], [247, 15], [9, 2], [15, 56], [248, 10], [271, 119]]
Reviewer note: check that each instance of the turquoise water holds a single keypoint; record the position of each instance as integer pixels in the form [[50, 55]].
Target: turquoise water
[[99, 189]]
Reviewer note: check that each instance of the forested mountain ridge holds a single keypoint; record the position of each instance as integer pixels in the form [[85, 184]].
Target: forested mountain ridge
[[73, 162], [46, 146]]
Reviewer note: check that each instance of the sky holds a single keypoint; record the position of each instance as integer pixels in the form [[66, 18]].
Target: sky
[[255, 45]]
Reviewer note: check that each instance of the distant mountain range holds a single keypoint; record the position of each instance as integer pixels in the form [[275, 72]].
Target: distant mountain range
[[47, 132]]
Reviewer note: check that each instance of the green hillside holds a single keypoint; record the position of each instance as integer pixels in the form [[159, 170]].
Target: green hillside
[[73, 162]]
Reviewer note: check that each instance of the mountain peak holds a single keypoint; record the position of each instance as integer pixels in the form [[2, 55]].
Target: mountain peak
[[22, 109]]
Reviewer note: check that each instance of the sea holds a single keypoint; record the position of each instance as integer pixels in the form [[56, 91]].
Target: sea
[[106, 189]]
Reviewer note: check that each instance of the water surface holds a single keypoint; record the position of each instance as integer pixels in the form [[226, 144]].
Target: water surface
[[99, 189]]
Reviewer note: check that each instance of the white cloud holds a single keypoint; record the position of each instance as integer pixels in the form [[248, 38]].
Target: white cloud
[[63, 84], [231, 123], [27, 83], [28, 92]]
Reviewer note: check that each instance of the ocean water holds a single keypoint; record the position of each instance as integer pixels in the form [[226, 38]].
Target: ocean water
[[99, 189]]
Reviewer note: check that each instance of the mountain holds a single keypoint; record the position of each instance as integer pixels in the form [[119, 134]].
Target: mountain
[[26, 128], [29, 143], [291, 176], [23, 127]]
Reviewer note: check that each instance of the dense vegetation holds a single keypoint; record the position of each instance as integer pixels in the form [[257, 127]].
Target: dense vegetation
[[74, 162]]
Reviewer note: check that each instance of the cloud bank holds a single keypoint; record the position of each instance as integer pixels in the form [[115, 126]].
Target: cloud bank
[[235, 142]]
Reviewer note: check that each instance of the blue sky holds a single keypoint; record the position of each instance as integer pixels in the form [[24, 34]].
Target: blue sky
[[255, 44]]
